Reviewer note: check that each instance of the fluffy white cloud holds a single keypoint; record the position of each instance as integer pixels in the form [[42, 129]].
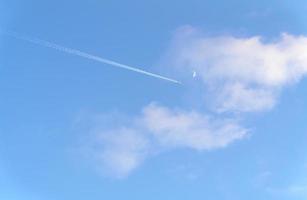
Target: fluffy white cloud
[[189, 129], [240, 97], [157, 128], [238, 74], [245, 74]]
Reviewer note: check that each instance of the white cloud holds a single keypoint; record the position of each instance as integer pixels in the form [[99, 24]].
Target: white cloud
[[238, 74], [245, 74], [189, 129], [121, 150], [238, 97]]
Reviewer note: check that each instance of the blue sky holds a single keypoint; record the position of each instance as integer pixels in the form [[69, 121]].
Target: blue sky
[[73, 128]]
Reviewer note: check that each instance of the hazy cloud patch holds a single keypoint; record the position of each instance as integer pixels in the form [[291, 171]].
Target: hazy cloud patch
[[243, 74], [120, 150], [236, 74]]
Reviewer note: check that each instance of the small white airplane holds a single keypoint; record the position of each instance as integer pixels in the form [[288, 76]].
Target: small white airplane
[[194, 74]]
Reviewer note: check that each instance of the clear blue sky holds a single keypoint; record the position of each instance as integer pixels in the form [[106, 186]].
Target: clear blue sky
[[53, 105]]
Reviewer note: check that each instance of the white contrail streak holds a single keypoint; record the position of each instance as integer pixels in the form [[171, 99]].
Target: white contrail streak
[[85, 55]]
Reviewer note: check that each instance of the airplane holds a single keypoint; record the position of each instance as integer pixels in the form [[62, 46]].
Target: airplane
[[194, 74]]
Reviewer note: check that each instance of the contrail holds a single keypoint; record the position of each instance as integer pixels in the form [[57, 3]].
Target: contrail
[[85, 55]]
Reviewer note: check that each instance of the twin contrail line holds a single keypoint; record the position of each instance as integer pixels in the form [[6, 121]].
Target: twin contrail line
[[85, 55]]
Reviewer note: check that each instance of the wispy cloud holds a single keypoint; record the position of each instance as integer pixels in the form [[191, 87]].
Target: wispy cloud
[[122, 150], [190, 129], [156, 129], [238, 75], [243, 74]]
